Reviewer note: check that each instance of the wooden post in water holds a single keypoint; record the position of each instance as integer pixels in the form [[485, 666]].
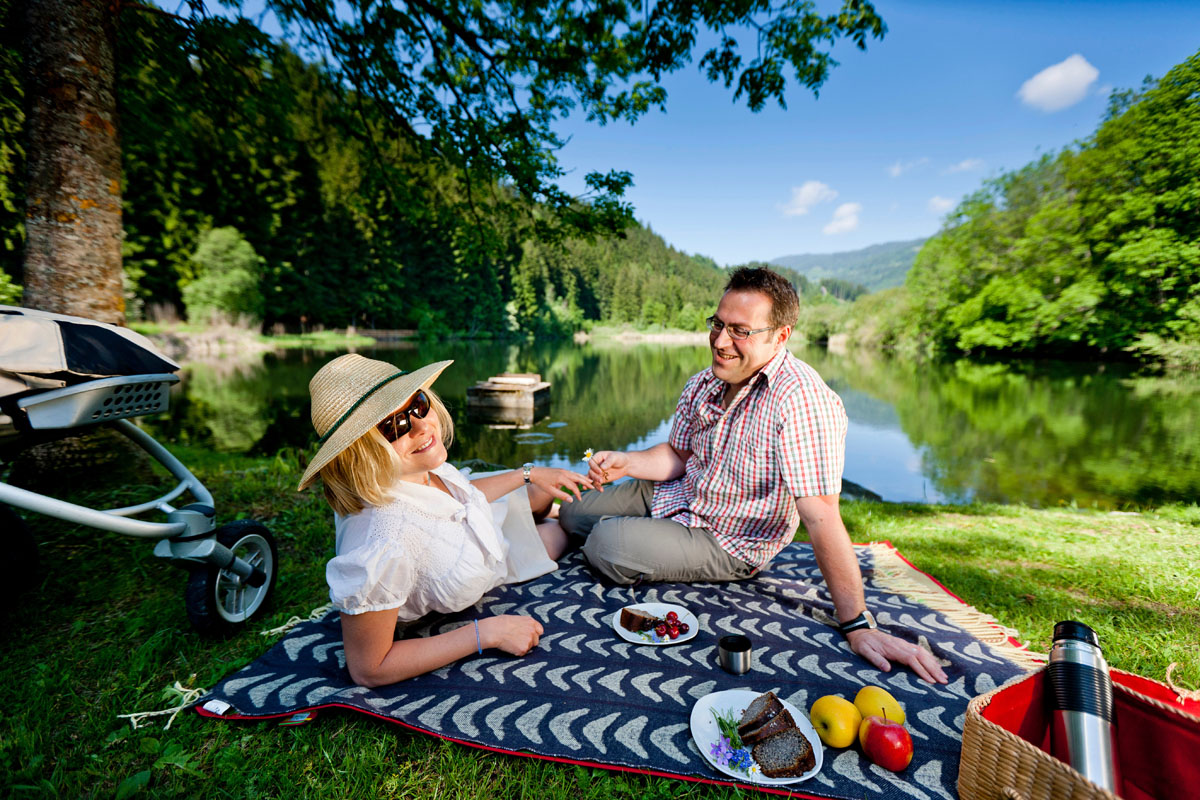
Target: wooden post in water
[[515, 399]]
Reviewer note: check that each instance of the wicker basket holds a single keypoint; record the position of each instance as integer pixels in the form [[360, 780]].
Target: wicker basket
[[999, 764]]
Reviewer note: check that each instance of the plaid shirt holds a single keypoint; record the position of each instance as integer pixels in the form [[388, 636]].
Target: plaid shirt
[[782, 437]]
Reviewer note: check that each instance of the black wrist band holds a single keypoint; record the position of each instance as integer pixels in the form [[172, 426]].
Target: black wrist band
[[864, 621]]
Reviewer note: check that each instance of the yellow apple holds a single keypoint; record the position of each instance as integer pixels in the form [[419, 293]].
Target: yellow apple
[[836, 720], [872, 701]]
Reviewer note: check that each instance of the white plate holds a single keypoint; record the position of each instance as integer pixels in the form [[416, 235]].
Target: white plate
[[706, 733], [657, 610]]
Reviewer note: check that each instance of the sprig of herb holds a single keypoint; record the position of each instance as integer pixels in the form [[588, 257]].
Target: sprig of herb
[[727, 722]]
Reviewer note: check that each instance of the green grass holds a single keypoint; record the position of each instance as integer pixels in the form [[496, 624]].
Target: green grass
[[325, 340], [614, 330], [104, 632]]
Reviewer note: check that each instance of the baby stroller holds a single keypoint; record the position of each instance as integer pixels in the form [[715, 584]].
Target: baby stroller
[[60, 376]]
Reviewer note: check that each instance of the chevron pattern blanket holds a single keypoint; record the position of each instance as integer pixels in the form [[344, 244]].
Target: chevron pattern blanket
[[585, 696]]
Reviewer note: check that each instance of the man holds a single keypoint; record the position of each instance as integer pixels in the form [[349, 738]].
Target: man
[[757, 446]]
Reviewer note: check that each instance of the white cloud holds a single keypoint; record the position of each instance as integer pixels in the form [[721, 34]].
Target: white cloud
[[966, 165], [940, 205], [1060, 85], [806, 196], [901, 167], [845, 218]]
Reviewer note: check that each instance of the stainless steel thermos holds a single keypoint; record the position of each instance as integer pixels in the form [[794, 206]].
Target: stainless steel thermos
[[1079, 693]]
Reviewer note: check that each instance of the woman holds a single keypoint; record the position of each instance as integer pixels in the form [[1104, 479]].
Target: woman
[[413, 535]]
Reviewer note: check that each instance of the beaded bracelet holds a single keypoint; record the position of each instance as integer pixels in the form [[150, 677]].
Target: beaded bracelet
[[478, 643]]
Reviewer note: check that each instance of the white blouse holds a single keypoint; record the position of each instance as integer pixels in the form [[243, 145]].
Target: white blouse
[[428, 551]]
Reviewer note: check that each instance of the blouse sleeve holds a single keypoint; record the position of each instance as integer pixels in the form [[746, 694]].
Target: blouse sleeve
[[375, 575]]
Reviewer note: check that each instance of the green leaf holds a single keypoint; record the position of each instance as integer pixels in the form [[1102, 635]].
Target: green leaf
[[133, 784]]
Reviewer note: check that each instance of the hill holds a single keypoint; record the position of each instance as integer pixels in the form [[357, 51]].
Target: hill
[[879, 266]]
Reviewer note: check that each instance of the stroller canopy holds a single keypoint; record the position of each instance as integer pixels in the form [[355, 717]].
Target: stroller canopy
[[40, 350]]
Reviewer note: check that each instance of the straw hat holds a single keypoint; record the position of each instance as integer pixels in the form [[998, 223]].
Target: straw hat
[[351, 395]]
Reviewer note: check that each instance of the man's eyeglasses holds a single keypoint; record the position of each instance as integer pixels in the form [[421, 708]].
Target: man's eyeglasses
[[399, 424], [735, 331]]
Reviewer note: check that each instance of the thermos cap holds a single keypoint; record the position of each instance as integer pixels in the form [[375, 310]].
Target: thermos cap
[[1069, 629]]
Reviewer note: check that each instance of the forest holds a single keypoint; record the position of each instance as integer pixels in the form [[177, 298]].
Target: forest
[[1093, 251], [257, 186]]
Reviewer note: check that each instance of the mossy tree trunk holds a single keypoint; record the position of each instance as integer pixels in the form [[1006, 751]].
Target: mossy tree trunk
[[73, 196]]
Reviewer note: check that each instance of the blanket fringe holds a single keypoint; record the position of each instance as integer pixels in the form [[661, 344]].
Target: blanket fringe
[[187, 696], [893, 574], [313, 616]]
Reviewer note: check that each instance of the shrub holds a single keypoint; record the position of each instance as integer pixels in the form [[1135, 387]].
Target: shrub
[[227, 274], [10, 293]]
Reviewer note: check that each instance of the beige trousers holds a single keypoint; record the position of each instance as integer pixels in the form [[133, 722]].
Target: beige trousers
[[626, 545]]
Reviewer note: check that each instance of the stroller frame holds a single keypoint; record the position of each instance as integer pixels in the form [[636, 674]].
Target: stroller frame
[[232, 567]]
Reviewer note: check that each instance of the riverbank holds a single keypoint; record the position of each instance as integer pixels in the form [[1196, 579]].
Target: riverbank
[[624, 334], [104, 633], [184, 342], [187, 342]]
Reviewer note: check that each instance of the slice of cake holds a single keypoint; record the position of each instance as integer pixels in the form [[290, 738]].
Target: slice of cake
[[763, 717], [782, 721], [638, 621], [787, 754]]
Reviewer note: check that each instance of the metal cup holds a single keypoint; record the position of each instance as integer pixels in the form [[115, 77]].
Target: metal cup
[[734, 654]]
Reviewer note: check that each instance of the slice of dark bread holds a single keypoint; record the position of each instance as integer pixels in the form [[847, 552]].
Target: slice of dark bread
[[787, 754], [776, 724], [637, 621], [761, 711]]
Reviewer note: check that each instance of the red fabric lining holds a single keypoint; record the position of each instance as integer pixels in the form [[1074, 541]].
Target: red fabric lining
[[1158, 752]]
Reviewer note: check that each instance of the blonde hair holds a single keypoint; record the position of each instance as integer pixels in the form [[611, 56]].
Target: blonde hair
[[363, 474]]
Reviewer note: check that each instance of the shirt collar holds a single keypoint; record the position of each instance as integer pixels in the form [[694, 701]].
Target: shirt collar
[[434, 500], [772, 367], [768, 370]]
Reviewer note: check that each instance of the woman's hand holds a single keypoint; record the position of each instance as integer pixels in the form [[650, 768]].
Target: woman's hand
[[511, 633], [550, 479]]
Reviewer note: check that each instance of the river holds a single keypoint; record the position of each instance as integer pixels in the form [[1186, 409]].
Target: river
[[1043, 434]]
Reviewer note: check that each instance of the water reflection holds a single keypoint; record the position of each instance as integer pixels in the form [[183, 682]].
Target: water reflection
[[1044, 434]]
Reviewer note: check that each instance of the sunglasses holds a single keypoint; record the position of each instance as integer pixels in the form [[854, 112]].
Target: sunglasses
[[399, 424]]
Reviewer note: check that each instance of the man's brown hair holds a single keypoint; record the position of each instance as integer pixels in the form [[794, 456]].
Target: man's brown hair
[[785, 304]]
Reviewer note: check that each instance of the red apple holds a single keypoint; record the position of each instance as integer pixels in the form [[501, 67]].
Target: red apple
[[886, 743]]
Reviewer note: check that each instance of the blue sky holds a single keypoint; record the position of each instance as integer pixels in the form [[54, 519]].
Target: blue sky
[[898, 134]]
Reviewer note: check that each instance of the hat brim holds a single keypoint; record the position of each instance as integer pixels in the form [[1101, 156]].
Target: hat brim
[[370, 413]]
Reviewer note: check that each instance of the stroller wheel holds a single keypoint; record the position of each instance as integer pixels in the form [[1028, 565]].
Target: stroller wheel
[[217, 600], [20, 545]]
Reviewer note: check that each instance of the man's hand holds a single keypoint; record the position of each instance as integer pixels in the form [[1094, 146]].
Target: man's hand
[[881, 649], [607, 466]]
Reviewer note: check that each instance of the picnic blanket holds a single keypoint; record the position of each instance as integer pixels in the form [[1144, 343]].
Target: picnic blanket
[[585, 696]]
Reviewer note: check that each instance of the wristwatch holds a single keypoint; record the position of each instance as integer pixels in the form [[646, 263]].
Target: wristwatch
[[864, 620], [526, 470]]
